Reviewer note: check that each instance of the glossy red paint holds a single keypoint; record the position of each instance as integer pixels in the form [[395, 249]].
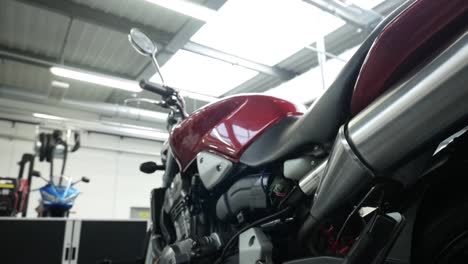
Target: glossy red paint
[[406, 43], [228, 127]]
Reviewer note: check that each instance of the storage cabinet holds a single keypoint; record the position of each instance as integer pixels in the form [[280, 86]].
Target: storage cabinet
[[70, 241]]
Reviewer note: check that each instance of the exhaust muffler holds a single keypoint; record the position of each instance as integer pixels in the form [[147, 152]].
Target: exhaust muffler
[[417, 114]]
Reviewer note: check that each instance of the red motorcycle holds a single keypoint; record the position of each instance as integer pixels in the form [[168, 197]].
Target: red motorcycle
[[373, 172]]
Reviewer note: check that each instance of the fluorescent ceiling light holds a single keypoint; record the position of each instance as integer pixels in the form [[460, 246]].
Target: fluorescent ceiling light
[[51, 117], [59, 84], [186, 8], [99, 79], [203, 75], [266, 31]]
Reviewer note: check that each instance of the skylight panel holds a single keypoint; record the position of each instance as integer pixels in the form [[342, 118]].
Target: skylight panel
[[308, 86], [265, 31], [302, 89], [195, 73]]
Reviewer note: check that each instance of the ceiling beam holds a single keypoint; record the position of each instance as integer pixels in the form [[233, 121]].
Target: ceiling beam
[[163, 57], [171, 42], [226, 57], [336, 42], [179, 40], [182, 41], [100, 18], [61, 58], [352, 14], [273, 71]]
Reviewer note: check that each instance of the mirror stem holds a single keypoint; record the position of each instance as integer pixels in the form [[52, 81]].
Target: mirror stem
[[44, 179], [158, 69], [76, 182]]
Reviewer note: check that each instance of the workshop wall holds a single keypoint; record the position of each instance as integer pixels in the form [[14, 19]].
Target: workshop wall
[[111, 162]]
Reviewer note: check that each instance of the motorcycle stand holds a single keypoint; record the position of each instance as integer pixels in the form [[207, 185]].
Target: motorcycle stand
[[373, 244]]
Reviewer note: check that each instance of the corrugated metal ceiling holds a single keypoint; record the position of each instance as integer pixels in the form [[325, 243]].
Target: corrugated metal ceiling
[[101, 48], [141, 11], [24, 77], [86, 92], [38, 31], [37, 80], [32, 29]]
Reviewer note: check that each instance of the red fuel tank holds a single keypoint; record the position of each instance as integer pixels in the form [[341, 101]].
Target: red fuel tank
[[228, 127], [408, 42]]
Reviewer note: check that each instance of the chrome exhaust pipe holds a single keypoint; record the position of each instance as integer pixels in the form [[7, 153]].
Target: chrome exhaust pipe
[[418, 113], [309, 183]]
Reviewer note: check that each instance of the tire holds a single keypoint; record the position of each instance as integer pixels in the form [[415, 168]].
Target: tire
[[54, 212], [444, 238]]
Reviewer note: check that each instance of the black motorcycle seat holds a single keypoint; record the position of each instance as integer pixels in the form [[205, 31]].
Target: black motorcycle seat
[[320, 123]]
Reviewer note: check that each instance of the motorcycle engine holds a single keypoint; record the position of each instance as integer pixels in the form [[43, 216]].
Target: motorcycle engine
[[176, 206], [185, 244], [201, 223]]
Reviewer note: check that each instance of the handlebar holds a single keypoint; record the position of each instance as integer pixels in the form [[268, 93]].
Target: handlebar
[[170, 96], [164, 91]]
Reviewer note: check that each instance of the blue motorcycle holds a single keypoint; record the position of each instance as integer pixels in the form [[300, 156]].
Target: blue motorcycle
[[58, 198], [59, 194]]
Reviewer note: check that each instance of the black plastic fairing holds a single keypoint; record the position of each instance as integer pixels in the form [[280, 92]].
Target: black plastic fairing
[[171, 169], [245, 194], [157, 200]]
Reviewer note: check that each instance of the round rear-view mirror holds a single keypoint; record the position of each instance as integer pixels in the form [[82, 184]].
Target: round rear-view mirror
[[85, 179], [141, 42]]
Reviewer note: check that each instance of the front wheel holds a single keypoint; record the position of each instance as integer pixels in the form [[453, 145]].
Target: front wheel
[[54, 212]]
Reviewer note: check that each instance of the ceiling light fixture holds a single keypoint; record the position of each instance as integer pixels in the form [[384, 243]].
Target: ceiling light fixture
[[99, 79], [186, 8], [51, 117], [59, 84]]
